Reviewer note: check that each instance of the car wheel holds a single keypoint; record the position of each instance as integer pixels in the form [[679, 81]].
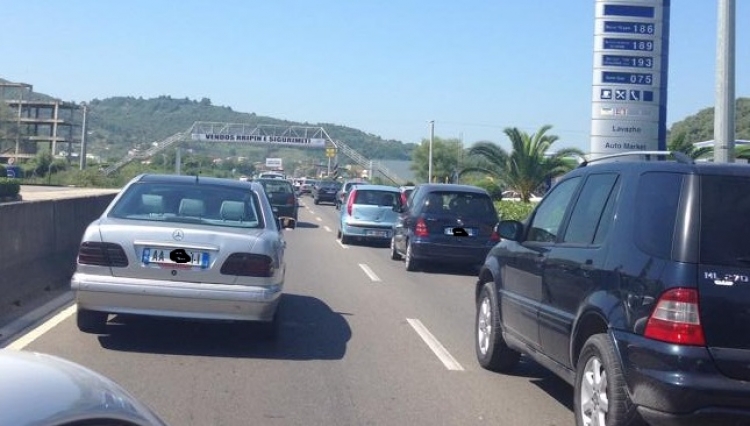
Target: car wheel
[[316, 201], [492, 351], [601, 396], [394, 252], [91, 321], [345, 239], [338, 234], [409, 261]]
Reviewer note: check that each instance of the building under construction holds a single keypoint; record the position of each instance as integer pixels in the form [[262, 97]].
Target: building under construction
[[35, 123]]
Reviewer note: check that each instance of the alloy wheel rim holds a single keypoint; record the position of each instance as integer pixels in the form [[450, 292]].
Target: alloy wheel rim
[[594, 402], [408, 254], [484, 326]]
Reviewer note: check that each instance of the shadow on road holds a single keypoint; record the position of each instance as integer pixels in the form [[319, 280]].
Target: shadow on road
[[545, 380], [301, 224], [309, 330]]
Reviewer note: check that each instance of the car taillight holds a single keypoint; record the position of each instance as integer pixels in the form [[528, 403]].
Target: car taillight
[[494, 237], [350, 202], [248, 265], [676, 318], [102, 254], [420, 230]]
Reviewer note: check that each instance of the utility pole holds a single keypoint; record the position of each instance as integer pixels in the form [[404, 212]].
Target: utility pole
[[725, 104], [83, 138], [429, 161]]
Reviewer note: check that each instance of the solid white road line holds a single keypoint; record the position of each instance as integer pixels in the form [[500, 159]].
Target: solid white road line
[[327, 228], [369, 272], [48, 325], [443, 355]]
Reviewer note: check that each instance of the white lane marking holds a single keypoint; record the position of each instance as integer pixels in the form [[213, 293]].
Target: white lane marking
[[327, 228], [369, 273], [318, 219], [48, 325], [438, 349], [342, 244]]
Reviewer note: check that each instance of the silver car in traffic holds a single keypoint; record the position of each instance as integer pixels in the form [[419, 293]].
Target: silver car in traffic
[[184, 247], [44, 390]]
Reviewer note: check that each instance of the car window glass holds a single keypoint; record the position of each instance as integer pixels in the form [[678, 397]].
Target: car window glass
[[657, 197], [201, 204], [587, 212], [549, 214], [725, 209], [608, 216]]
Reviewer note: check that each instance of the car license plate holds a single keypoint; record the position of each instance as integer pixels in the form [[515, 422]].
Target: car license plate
[[376, 233], [458, 231], [175, 258]]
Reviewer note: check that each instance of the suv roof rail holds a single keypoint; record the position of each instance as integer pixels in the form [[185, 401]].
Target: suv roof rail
[[681, 157]]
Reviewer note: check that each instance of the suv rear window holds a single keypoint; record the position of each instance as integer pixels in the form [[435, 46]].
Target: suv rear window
[[725, 209], [461, 204], [656, 212]]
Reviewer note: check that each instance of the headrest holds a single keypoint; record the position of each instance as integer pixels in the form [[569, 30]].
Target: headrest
[[191, 207], [152, 203], [232, 210]]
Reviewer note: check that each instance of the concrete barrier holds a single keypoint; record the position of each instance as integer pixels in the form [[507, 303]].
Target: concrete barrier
[[39, 243]]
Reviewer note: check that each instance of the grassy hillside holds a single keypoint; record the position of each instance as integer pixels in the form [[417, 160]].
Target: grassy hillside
[[700, 127]]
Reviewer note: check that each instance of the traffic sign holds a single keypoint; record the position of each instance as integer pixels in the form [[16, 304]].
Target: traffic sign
[[330, 152]]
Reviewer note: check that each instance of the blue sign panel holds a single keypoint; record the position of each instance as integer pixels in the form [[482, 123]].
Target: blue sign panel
[[627, 78], [629, 27], [628, 10], [627, 61], [628, 44]]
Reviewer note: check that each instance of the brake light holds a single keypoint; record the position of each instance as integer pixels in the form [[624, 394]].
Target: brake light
[[248, 265], [350, 202], [102, 254], [494, 237], [676, 318], [420, 230]]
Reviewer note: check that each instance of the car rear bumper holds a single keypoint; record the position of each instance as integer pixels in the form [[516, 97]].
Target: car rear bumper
[[680, 385], [370, 232], [331, 198], [450, 253], [288, 211], [175, 299]]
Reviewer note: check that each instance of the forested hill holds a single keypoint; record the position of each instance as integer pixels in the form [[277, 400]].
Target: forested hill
[[700, 127], [121, 123]]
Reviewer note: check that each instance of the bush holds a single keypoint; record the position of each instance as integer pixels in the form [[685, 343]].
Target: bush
[[514, 210], [3, 171], [9, 188]]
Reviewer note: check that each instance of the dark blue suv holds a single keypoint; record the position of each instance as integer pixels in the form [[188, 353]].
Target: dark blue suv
[[631, 281]]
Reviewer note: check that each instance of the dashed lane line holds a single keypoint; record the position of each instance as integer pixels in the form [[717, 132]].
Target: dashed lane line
[[369, 272], [437, 348]]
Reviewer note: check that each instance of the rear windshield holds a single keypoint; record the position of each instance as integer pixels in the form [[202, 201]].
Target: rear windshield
[[725, 209], [181, 203], [376, 198], [277, 186], [461, 204]]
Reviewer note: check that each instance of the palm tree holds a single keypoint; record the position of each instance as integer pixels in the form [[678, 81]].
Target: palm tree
[[681, 144], [529, 165]]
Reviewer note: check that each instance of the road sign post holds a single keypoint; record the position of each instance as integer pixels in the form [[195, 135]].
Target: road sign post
[[629, 100]]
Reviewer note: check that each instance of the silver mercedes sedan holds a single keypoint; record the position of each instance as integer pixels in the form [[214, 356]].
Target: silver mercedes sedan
[[44, 390], [184, 247]]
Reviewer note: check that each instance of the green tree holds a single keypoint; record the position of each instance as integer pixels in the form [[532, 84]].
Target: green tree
[[680, 143], [445, 159], [530, 163]]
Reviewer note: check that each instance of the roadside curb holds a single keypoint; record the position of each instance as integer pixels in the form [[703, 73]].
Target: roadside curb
[[12, 331]]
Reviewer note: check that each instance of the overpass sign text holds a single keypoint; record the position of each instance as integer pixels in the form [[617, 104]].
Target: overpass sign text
[[262, 139]]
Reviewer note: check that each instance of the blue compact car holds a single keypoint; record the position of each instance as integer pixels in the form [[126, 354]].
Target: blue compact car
[[369, 213]]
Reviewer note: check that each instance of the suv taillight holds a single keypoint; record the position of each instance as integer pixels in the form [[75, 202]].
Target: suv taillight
[[350, 202], [494, 237], [102, 254], [420, 230], [676, 318], [248, 265]]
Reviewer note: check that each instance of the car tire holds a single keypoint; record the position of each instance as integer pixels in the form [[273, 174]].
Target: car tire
[[338, 234], [345, 239], [94, 322], [316, 201], [409, 261], [599, 378], [394, 252], [492, 351]]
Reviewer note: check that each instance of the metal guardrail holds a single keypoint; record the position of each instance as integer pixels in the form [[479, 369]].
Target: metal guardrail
[[377, 166]]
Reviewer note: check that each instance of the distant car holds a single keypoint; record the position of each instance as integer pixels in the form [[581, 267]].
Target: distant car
[[445, 223], [281, 194], [271, 175], [516, 196], [307, 186], [45, 390], [344, 190], [405, 192], [325, 191], [369, 214], [184, 247]]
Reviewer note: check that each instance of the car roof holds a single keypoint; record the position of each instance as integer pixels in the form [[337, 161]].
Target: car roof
[[187, 179], [371, 187], [450, 187], [640, 166]]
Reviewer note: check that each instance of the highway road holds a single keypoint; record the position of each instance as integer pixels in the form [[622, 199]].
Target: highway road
[[363, 342]]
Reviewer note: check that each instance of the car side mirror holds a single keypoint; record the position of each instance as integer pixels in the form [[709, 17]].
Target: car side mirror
[[510, 229], [286, 222]]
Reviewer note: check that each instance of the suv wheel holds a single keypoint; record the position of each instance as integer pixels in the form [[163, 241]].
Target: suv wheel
[[601, 396], [492, 351], [394, 252], [316, 201], [409, 261], [91, 321]]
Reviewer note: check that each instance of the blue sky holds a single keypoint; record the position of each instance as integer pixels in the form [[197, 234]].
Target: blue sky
[[385, 67]]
